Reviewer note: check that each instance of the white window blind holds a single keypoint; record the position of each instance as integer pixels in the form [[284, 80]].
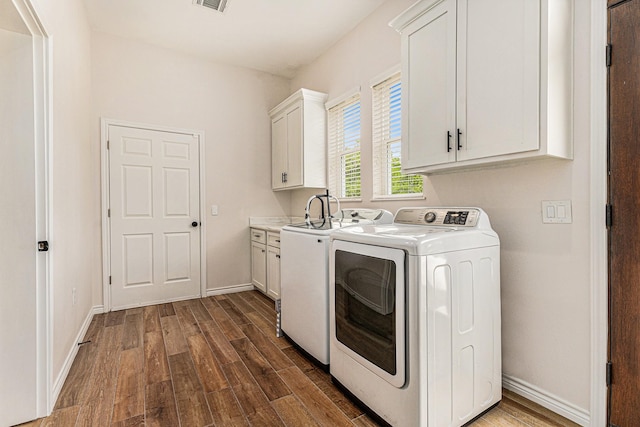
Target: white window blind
[[344, 148], [388, 181]]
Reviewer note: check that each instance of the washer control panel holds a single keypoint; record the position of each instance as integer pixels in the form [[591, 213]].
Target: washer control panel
[[457, 217]]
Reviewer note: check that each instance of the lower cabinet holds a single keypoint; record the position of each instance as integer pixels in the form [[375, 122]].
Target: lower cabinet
[[265, 262]]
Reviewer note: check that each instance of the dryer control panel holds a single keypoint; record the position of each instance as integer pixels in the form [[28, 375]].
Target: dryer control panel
[[457, 217]]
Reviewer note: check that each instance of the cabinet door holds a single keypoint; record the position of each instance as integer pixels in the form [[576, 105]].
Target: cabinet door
[[273, 272], [429, 98], [295, 150], [498, 77], [259, 266], [278, 151]]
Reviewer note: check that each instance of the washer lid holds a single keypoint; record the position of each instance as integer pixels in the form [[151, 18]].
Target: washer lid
[[344, 218]]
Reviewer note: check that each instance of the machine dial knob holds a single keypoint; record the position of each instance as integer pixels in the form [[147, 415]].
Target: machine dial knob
[[430, 217]]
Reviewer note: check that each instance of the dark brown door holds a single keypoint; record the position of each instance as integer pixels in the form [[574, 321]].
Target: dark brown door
[[624, 198]]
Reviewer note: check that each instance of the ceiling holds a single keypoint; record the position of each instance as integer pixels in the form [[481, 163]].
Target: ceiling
[[275, 36]]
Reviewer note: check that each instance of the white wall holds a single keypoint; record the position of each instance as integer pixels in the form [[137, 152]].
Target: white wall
[[545, 268], [74, 238], [140, 83]]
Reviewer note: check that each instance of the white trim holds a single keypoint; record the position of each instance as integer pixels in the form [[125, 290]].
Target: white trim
[[392, 198], [230, 289], [598, 232], [106, 232], [43, 108], [384, 76], [340, 99], [73, 351], [548, 400], [106, 243]]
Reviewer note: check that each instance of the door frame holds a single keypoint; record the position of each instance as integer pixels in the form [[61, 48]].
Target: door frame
[[598, 201], [106, 229], [42, 85]]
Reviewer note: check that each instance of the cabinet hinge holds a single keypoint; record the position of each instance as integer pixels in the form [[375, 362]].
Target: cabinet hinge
[[107, 144], [108, 213], [109, 280], [608, 55], [609, 373], [609, 216]]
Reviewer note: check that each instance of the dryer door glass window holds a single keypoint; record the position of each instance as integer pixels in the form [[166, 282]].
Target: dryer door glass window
[[369, 319]]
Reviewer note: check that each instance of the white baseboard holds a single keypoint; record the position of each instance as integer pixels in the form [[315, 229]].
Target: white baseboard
[[73, 351], [550, 401], [230, 289]]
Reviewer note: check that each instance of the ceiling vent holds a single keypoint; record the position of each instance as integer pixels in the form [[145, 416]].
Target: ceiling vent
[[217, 5]]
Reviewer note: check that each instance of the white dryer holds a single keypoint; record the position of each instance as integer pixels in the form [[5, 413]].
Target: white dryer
[[415, 316]]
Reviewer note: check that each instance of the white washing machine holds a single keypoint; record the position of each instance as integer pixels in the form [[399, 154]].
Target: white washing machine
[[304, 278], [415, 316]]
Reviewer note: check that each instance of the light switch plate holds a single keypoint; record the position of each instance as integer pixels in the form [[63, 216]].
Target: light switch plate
[[214, 210], [556, 212]]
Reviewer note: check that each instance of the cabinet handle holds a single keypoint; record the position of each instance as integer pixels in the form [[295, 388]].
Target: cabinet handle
[[284, 175], [448, 141], [459, 145], [277, 256], [263, 251], [277, 240]]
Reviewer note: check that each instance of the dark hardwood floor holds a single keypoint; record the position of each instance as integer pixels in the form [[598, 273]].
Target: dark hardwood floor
[[215, 362]]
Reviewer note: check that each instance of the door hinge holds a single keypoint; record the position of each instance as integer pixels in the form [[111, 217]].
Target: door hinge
[[109, 280], [43, 246], [609, 373], [609, 216], [608, 55], [107, 144], [108, 213]]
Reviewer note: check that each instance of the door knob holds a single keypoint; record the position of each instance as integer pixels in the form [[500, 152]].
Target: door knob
[[194, 224]]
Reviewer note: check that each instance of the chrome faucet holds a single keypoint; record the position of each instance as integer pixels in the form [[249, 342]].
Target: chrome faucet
[[328, 197]]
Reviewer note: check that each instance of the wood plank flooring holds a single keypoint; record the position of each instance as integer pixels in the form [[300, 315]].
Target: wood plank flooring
[[215, 362]]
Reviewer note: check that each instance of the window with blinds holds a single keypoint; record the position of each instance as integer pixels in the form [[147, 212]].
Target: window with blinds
[[388, 180], [343, 122]]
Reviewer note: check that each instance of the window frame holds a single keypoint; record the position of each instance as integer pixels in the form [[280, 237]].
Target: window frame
[[380, 144], [336, 139]]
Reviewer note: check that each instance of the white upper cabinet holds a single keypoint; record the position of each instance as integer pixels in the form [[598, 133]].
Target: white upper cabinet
[[485, 81], [298, 141]]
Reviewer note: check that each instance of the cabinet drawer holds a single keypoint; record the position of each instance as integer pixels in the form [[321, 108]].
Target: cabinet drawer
[[259, 236], [273, 239]]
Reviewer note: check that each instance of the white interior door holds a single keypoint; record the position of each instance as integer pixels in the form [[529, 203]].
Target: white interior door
[[23, 214], [155, 216]]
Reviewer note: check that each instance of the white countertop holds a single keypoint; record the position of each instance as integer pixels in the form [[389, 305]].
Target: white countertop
[[273, 223]]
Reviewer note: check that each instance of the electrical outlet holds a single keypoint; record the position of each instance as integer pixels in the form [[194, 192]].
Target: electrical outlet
[[74, 296]]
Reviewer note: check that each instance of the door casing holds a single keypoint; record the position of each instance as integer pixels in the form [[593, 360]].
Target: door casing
[[106, 232], [597, 225]]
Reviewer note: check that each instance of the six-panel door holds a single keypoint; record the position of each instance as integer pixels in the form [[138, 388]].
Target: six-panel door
[[154, 202]]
